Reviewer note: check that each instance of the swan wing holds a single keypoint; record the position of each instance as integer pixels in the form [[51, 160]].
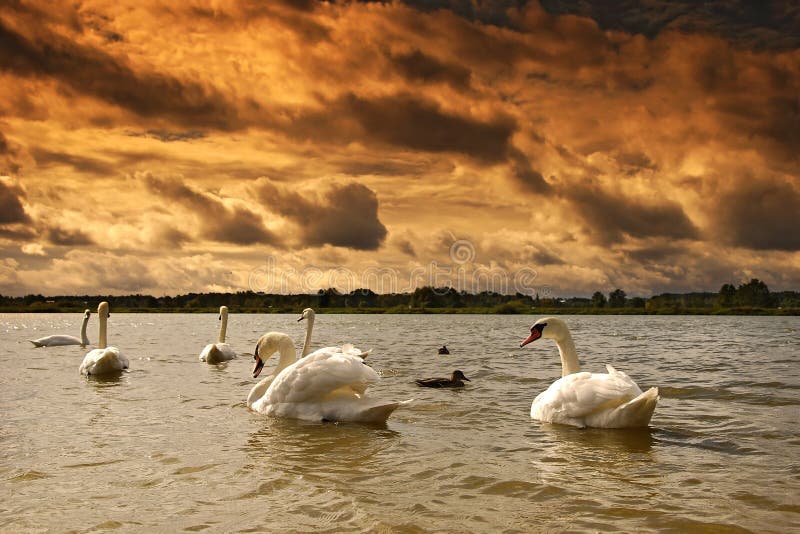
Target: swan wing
[[103, 361], [217, 352], [347, 348], [320, 375], [580, 395], [55, 341]]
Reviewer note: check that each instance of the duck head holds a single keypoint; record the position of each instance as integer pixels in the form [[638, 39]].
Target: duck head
[[459, 375]]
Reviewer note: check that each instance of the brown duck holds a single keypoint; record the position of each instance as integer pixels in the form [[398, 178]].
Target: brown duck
[[455, 381]]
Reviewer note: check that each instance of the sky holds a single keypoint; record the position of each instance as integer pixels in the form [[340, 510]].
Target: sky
[[557, 148]]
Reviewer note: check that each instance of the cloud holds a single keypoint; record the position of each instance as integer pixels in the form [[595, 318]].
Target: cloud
[[33, 249], [526, 177], [218, 222], [760, 214], [408, 122], [68, 238], [417, 66], [89, 165], [761, 25], [11, 209], [608, 217], [89, 70], [345, 215]]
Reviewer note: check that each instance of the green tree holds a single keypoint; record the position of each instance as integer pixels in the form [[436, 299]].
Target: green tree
[[598, 300], [754, 293], [637, 302], [727, 296], [616, 299]]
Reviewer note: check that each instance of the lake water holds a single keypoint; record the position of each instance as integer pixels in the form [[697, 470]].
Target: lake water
[[170, 446]]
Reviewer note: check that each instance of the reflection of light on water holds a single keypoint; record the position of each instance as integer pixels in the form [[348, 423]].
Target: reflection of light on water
[[175, 443]]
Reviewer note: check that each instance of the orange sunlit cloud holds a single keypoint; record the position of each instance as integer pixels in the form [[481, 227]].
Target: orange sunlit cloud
[[162, 148]]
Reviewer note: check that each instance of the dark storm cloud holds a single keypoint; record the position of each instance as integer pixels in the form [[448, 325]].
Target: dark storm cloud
[[407, 247], [418, 66], [92, 71], [488, 11], [762, 25], [526, 176], [765, 25], [11, 210], [169, 137], [655, 253], [609, 217], [218, 222], [69, 238], [761, 215], [9, 163], [407, 122], [46, 159], [345, 216], [634, 162]]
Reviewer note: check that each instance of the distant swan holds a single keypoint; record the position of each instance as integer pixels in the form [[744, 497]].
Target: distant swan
[[219, 352], [60, 340], [103, 360], [309, 315], [584, 399], [327, 385]]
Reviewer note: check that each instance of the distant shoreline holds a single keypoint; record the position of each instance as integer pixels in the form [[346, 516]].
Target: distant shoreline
[[743, 311]]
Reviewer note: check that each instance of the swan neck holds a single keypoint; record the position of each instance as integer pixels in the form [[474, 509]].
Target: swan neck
[[102, 342], [307, 342], [84, 337], [223, 327], [569, 358], [259, 389], [287, 356]]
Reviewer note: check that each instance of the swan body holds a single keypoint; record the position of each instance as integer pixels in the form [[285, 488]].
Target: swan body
[[219, 352], [328, 384], [582, 399], [104, 359], [62, 340]]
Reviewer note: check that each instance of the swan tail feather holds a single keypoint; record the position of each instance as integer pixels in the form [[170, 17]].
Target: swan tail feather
[[380, 413], [36, 343], [638, 412]]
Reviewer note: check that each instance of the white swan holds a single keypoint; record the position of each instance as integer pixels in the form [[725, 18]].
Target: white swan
[[309, 315], [60, 340], [327, 385], [219, 352], [584, 399], [103, 360]]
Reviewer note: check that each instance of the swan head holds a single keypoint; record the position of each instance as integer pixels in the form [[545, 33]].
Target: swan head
[[267, 345], [548, 328], [103, 309], [308, 313], [223, 312], [87, 314]]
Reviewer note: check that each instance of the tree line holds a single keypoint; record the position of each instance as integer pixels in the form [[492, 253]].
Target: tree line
[[751, 297]]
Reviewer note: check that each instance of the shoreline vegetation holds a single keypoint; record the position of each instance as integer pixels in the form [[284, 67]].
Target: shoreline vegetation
[[751, 298]]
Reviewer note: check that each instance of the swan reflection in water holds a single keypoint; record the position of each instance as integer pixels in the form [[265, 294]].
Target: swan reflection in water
[[603, 441], [302, 446]]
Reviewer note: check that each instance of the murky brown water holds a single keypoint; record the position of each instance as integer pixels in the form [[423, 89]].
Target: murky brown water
[[170, 446]]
